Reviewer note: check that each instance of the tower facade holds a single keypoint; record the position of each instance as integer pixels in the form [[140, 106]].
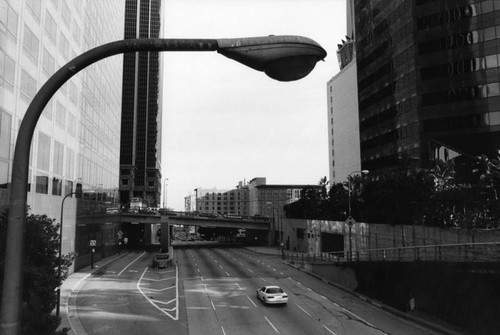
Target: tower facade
[[428, 80], [140, 147]]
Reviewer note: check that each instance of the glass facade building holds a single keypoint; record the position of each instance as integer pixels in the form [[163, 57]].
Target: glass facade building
[[76, 142], [428, 80], [140, 149]]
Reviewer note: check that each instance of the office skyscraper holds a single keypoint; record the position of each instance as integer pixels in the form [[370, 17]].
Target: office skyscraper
[[76, 142], [140, 148], [428, 80]]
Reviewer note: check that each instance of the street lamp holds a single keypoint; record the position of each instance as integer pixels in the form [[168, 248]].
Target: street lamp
[[350, 220], [60, 252], [283, 58]]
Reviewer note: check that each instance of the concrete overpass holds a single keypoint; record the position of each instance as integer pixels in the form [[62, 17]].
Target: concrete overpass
[[176, 220]]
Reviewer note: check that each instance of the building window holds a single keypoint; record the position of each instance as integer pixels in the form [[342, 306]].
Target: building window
[[36, 8], [42, 184], [125, 182], [43, 159], [7, 70], [50, 27], [58, 159], [31, 44], [56, 186], [28, 86], [48, 63], [68, 187], [60, 115], [65, 13], [4, 169], [64, 46], [8, 19], [5, 132]]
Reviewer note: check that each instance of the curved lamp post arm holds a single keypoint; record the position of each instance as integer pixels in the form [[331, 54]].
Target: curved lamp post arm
[[259, 53]]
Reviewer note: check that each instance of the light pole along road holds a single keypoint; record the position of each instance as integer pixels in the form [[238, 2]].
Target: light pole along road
[[283, 58]]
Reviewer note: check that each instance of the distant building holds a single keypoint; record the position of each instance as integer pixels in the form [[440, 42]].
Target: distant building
[[140, 148], [248, 199]]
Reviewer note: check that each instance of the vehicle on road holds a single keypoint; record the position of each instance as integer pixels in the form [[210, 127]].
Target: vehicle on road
[[272, 295], [161, 261]]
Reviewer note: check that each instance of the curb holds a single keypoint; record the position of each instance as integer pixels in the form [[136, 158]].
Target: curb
[[382, 306]]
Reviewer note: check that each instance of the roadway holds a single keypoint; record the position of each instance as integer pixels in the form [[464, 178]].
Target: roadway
[[212, 291]]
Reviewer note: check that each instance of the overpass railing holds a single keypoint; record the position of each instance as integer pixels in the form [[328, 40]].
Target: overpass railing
[[459, 252]]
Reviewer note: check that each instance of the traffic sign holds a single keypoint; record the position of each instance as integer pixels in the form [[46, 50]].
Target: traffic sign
[[93, 243], [350, 221]]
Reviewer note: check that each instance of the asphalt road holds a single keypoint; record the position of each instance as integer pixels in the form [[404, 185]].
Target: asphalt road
[[213, 291]]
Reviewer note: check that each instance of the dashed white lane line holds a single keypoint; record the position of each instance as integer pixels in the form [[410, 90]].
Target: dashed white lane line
[[253, 303], [303, 310], [275, 329], [329, 330]]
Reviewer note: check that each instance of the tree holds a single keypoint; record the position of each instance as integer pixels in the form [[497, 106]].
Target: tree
[[40, 273]]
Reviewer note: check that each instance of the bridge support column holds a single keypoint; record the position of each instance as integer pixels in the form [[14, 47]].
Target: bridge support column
[[271, 237], [165, 236]]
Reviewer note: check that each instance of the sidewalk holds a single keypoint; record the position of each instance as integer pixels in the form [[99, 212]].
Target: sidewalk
[[69, 288], [417, 317]]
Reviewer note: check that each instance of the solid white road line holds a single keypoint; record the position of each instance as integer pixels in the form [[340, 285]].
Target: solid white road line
[[125, 268]]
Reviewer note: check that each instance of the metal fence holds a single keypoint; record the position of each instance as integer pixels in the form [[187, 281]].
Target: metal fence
[[460, 252]]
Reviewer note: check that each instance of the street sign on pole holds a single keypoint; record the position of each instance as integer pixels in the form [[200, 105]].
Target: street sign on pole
[[93, 243], [350, 221]]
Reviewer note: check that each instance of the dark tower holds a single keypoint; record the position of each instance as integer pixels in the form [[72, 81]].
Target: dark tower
[[428, 80], [140, 147]]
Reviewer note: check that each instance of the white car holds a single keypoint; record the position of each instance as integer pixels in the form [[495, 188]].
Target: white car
[[272, 295]]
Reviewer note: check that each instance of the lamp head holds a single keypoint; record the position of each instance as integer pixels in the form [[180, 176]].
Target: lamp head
[[284, 58]]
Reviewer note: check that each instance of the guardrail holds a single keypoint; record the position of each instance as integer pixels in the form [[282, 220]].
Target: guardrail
[[459, 252]]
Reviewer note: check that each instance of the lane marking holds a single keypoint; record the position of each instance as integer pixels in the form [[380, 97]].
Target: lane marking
[[303, 310], [331, 332], [165, 311], [253, 303], [125, 268], [250, 270], [275, 329]]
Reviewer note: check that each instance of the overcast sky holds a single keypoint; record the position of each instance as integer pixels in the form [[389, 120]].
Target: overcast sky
[[224, 122]]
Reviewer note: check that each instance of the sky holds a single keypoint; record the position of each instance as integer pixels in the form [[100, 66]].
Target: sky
[[223, 122]]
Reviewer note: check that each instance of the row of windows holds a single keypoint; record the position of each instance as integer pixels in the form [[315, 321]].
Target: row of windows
[[391, 136], [461, 122], [460, 67], [447, 16], [461, 94], [459, 40], [42, 185]]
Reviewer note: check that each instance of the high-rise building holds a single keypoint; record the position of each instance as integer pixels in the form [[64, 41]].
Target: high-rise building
[[343, 121], [76, 142], [428, 80], [140, 148]]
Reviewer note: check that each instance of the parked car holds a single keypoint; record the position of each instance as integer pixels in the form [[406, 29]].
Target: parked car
[[272, 295], [161, 261]]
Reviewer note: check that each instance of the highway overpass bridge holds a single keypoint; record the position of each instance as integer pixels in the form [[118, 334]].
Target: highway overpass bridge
[[139, 227], [186, 220]]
